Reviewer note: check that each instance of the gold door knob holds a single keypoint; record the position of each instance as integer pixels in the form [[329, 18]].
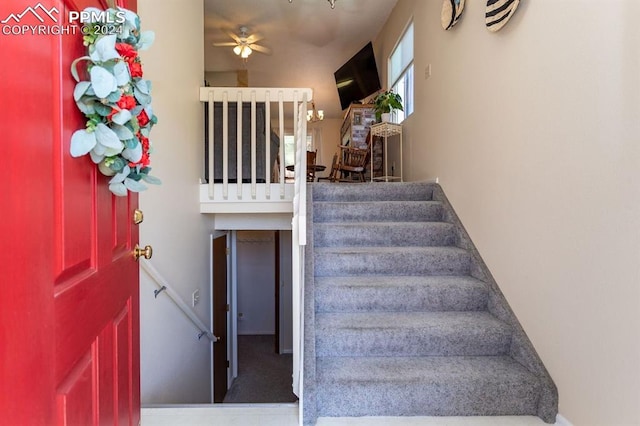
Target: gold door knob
[[146, 252]]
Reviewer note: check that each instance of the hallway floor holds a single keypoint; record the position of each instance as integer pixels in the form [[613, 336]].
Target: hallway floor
[[263, 375], [287, 415]]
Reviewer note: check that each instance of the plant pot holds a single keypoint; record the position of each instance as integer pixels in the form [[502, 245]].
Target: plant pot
[[385, 117]]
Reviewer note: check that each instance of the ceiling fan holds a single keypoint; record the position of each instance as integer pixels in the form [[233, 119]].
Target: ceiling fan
[[243, 43]]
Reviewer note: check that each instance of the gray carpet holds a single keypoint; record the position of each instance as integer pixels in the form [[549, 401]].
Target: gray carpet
[[402, 317], [263, 375]]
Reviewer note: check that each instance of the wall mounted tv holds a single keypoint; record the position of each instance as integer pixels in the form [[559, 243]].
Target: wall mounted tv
[[358, 78]]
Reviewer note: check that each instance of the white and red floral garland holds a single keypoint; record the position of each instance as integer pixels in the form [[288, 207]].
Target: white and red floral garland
[[116, 100]]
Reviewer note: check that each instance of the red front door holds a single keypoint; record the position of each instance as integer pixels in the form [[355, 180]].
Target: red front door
[[69, 303]]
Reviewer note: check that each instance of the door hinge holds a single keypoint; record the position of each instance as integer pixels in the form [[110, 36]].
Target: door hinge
[[227, 308], [228, 251], [227, 363]]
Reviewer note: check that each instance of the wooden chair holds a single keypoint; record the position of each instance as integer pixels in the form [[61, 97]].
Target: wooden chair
[[311, 165], [353, 162], [333, 172]]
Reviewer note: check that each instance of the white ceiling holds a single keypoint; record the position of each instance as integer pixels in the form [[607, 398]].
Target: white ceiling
[[309, 40]]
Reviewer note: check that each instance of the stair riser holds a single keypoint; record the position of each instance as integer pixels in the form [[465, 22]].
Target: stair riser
[[377, 212], [416, 235], [395, 263], [372, 192], [400, 298], [420, 398], [411, 342]]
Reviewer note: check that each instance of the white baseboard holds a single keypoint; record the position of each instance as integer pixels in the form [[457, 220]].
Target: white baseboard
[[562, 421]]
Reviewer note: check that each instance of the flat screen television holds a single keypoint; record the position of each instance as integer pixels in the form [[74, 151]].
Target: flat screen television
[[358, 78]]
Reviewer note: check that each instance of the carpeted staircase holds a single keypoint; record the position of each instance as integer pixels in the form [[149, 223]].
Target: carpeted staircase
[[402, 318]]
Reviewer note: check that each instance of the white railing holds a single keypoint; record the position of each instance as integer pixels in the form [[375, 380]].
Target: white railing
[[300, 182], [164, 287], [287, 102], [299, 234]]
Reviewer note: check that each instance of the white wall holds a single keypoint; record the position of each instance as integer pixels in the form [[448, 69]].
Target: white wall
[[286, 293], [255, 251], [221, 78], [330, 128], [534, 134], [256, 256], [175, 365]]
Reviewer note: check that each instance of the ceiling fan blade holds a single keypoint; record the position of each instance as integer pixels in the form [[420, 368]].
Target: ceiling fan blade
[[232, 35], [254, 38], [225, 44], [260, 49]]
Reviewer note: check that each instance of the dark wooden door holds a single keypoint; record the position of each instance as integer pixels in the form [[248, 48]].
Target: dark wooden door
[[220, 312], [69, 304]]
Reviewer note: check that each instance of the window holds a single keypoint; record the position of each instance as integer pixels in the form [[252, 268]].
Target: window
[[290, 153], [401, 73], [290, 148]]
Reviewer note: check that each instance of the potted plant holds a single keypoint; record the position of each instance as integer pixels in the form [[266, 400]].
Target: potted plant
[[384, 103]]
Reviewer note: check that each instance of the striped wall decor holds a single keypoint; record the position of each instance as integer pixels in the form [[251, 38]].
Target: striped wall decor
[[499, 12], [451, 13]]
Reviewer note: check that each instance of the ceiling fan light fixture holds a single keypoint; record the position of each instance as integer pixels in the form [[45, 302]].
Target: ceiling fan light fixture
[[243, 44], [242, 50]]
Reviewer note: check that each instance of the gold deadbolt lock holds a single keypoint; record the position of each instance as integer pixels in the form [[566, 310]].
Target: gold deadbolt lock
[[145, 252], [138, 217]]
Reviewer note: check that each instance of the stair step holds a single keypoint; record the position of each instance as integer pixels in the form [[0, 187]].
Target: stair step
[[377, 211], [331, 261], [425, 386], [384, 234], [378, 191], [363, 294], [411, 334]]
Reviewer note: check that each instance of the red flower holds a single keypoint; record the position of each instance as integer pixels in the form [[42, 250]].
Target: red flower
[[135, 69], [144, 141], [144, 160], [127, 51], [130, 56], [127, 102], [143, 119]]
